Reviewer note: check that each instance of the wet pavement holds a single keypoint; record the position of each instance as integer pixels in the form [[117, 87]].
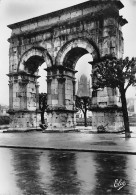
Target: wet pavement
[[36, 172], [82, 141], [81, 163]]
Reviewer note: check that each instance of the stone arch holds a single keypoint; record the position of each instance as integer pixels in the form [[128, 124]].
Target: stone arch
[[25, 99], [67, 35], [35, 51], [82, 44]]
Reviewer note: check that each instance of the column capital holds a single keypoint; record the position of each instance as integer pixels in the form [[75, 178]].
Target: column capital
[[74, 81], [37, 85], [23, 82], [61, 79], [49, 79], [10, 84]]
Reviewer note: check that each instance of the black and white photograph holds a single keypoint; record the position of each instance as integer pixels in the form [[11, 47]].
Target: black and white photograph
[[68, 97]]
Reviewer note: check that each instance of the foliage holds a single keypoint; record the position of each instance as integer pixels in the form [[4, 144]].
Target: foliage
[[4, 120], [113, 72], [43, 105], [83, 103]]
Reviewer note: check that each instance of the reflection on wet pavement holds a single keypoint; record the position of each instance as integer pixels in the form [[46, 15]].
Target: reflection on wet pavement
[[28, 172]]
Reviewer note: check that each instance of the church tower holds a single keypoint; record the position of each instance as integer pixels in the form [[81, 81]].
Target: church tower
[[83, 86]]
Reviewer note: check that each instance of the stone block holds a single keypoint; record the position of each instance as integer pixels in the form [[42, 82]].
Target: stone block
[[54, 81], [33, 26], [61, 101], [102, 99], [54, 91], [57, 42], [110, 21], [54, 96], [69, 88], [25, 27], [111, 100], [54, 102], [106, 32], [48, 45], [46, 36], [42, 23], [54, 20], [67, 101], [65, 16], [88, 11], [76, 14], [102, 93], [16, 31], [39, 38]]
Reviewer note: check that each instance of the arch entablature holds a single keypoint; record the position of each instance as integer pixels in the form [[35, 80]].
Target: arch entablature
[[85, 44], [40, 52]]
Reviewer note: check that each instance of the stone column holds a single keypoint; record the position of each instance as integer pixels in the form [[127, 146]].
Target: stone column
[[23, 94], [23, 98], [37, 96], [74, 99], [60, 113], [38, 112], [61, 91], [49, 98], [105, 109], [74, 90], [135, 106], [10, 95]]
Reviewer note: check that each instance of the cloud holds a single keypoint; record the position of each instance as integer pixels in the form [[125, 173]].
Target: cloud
[[133, 2], [17, 8]]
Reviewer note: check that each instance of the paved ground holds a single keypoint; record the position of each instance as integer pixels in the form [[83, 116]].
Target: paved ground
[[81, 141], [51, 172]]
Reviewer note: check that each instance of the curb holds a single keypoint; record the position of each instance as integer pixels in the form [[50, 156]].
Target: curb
[[70, 149]]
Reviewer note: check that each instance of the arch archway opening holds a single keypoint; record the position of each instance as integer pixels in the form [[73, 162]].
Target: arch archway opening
[[77, 59], [35, 66], [84, 86], [84, 71], [33, 63], [42, 78], [42, 82], [72, 57]]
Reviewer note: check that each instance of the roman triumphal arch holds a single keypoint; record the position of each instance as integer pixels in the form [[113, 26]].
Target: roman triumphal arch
[[59, 39]]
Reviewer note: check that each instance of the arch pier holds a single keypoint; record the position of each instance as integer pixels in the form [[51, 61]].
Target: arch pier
[[61, 92], [59, 39]]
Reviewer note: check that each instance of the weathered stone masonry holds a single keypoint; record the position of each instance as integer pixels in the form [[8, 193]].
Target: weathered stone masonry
[[60, 39]]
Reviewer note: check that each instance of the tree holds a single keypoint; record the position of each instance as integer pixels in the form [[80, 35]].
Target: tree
[[113, 72], [43, 105], [83, 103]]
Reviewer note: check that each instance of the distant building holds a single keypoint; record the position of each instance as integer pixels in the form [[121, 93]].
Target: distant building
[[83, 88], [130, 105], [80, 115], [3, 110]]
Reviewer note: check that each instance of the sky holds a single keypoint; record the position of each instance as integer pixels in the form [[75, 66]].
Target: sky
[[12, 11]]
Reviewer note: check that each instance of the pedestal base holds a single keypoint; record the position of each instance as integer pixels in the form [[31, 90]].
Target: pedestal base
[[64, 130], [61, 121], [21, 130], [24, 121], [111, 120]]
